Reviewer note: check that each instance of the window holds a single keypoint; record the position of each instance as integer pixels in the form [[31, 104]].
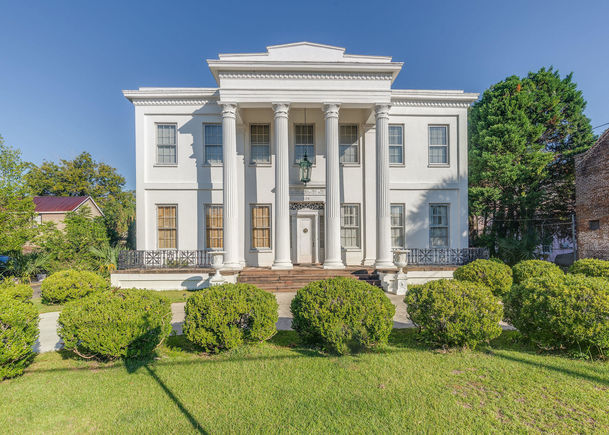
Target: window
[[348, 144], [397, 225], [213, 144], [438, 145], [166, 226], [166, 144], [349, 225], [438, 226], [303, 142], [260, 143], [594, 225], [214, 226], [396, 145], [261, 226]]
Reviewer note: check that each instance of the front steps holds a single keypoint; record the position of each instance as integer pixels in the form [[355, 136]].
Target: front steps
[[296, 278]]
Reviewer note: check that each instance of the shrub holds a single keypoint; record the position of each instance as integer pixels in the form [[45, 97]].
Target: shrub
[[18, 333], [567, 312], [71, 284], [22, 292], [116, 323], [494, 274], [454, 313], [591, 267], [534, 269], [223, 317], [342, 314]]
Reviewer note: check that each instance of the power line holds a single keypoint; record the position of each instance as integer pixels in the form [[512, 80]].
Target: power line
[[606, 123]]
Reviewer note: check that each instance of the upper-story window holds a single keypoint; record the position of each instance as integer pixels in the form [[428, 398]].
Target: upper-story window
[[438, 145], [166, 144], [396, 145], [260, 143], [213, 144], [349, 144], [304, 142]]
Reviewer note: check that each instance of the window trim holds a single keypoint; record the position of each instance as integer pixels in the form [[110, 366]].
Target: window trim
[[294, 144], [359, 227], [447, 205], [265, 249], [156, 145], [403, 226], [249, 132], [157, 225], [403, 163], [205, 162], [206, 207], [429, 145], [358, 141]]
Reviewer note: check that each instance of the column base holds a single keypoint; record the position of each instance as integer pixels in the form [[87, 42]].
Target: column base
[[385, 265], [336, 264], [232, 266], [368, 262], [282, 265]]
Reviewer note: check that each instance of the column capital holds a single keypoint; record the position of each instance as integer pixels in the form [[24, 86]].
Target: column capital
[[281, 109], [229, 109], [382, 110], [331, 110]]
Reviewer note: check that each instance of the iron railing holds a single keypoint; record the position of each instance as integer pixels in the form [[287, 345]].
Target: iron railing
[[601, 254], [163, 259], [444, 257]]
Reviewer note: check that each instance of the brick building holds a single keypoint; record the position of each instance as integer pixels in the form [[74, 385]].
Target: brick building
[[592, 200]]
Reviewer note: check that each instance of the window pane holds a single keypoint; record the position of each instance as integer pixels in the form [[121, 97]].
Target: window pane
[[438, 135], [397, 237], [349, 226], [261, 226], [166, 134], [438, 237], [213, 143], [395, 135], [300, 150], [214, 227], [166, 227], [303, 142], [438, 226], [260, 147], [438, 154], [395, 155]]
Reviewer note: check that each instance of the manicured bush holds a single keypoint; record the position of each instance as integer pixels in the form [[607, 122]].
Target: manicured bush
[[454, 313], [494, 274], [226, 316], [119, 323], [18, 333], [70, 284], [342, 314], [591, 267], [534, 269], [569, 311], [22, 292]]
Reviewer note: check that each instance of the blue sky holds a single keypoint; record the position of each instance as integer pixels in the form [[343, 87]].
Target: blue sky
[[63, 64]]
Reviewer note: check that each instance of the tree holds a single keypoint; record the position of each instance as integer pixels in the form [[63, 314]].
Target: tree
[[524, 133], [16, 204], [81, 177]]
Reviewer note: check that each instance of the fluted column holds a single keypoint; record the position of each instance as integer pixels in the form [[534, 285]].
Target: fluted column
[[282, 188], [333, 258], [384, 255], [230, 193]]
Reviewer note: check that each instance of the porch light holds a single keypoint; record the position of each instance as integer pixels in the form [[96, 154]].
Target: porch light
[[305, 169]]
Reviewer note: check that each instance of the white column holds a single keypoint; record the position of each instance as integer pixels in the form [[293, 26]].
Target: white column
[[384, 255], [231, 198], [282, 189], [333, 258]]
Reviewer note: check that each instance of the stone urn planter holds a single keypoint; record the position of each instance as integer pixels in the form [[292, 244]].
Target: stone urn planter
[[217, 263], [400, 259]]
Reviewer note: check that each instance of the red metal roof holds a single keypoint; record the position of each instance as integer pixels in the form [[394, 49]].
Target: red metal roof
[[58, 203]]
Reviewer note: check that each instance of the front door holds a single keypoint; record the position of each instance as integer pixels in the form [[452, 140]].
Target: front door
[[304, 239]]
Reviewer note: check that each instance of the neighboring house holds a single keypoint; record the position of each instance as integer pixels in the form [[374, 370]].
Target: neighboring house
[[219, 168], [592, 200], [54, 208]]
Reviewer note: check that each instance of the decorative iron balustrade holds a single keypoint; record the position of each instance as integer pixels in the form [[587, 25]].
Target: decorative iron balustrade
[[164, 259], [444, 257]]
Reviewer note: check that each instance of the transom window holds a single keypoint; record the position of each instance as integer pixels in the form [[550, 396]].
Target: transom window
[[213, 144], [214, 226], [166, 144], [396, 145], [438, 145], [166, 226], [397, 225], [261, 226], [304, 142], [349, 226], [438, 226], [348, 144], [260, 143]]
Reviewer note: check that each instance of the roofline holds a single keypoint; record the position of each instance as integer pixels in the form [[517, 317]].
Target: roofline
[[85, 198], [94, 203]]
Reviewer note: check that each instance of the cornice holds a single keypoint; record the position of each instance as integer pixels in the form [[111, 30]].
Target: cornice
[[168, 102], [423, 103], [306, 75], [432, 98], [171, 96]]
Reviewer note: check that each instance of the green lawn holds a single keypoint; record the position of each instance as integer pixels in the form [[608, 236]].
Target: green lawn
[[281, 386]]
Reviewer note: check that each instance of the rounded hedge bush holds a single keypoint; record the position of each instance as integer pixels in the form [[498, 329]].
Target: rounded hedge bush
[[224, 317], [494, 274], [591, 267], [534, 269], [21, 292], [342, 314], [70, 284], [568, 311], [454, 313], [18, 334], [119, 323]]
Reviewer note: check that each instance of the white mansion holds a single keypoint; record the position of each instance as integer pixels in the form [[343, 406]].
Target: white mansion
[[221, 168]]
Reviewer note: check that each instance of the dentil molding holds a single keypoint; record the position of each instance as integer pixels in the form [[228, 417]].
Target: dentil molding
[[306, 76]]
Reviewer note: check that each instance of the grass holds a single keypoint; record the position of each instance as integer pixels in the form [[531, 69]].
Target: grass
[[281, 386]]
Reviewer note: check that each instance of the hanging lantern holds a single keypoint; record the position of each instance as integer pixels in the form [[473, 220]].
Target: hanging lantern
[[305, 169]]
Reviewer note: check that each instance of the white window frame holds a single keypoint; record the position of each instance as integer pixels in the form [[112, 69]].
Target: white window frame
[[157, 226], [268, 145], [401, 227], [358, 226], [270, 228], [157, 145], [312, 158], [402, 146], [356, 144], [221, 145], [206, 210], [447, 226], [430, 146]]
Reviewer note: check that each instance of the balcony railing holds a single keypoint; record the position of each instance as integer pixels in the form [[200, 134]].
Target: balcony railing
[[444, 257], [163, 259]]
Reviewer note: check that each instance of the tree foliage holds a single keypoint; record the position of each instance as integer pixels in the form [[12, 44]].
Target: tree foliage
[[524, 133]]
